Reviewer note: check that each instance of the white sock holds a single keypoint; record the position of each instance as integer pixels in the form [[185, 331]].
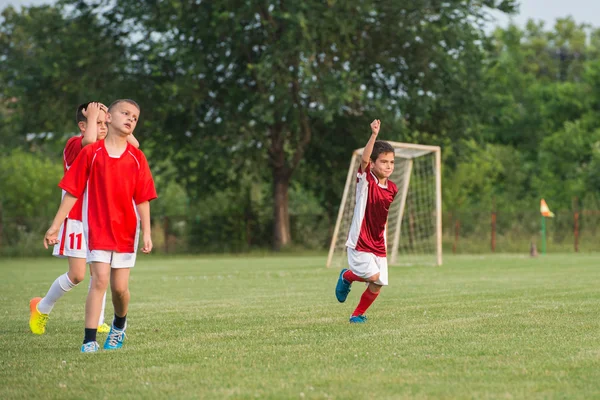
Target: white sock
[[61, 285], [101, 319]]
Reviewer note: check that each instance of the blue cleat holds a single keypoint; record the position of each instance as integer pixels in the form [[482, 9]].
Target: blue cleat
[[343, 287], [90, 347], [358, 319], [115, 338]]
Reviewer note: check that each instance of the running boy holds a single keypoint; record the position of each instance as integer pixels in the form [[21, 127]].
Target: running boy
[[116, 184], [366, 243]]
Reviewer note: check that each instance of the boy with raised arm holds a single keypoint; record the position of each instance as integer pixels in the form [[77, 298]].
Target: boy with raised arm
[[366, 245]]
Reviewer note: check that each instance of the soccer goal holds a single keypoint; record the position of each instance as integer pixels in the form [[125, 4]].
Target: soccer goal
[[414, 227]]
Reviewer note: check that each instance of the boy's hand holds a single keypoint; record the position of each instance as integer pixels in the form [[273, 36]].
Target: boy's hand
[[93, 110], [51, 237], [375, 127], [147, 243]]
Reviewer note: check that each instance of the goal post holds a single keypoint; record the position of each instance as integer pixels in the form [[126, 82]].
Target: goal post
[[414, 227]]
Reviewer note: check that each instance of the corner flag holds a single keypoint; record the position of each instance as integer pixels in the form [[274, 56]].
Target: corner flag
[[545, 210]]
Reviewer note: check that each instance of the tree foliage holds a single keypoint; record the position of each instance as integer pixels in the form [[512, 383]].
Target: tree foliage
[[254, 107]]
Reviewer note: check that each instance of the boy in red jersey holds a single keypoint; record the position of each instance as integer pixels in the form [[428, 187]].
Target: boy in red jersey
[[73, 244], [116, 184], [366, 243]]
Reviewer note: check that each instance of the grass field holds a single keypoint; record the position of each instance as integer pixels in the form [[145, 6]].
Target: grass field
[[479, 327]]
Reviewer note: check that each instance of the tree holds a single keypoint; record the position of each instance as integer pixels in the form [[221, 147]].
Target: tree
[[22, 192], [49, 63], [240, 84]]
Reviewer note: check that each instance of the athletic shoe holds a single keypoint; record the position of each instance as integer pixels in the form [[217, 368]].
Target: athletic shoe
[[37, 320], [343, 287], [90, 347], [115, 338], [358, 319]]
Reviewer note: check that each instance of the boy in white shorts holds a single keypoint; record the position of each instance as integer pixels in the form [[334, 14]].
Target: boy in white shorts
[[366, 243], [91, 121], [116, 184]]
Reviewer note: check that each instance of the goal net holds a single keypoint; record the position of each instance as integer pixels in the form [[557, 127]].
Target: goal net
[[414, 227]]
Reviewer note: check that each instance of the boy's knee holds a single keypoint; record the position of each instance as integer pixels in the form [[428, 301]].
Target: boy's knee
[[374, 288], [76, 276], [120, 290], [100, 282], [373, 278]]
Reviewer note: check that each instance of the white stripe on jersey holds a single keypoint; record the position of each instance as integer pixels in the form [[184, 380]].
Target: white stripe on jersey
[[362, 196], [135, 158]]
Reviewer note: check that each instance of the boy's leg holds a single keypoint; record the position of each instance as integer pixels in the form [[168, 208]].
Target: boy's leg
[[101, 272], [72, 245], [357, 261], [119, 285], [102, 327], [63, 284], [374, 270], [40, 308], [367, 298]]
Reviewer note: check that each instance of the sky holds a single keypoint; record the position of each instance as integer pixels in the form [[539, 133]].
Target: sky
[[547, 10]]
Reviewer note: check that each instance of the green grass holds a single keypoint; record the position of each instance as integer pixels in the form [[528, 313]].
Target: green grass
[[480, 327]]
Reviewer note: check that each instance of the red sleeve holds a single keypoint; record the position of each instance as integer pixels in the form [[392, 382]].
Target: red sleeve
[[367, 172], [75, 179], [72, 150], [144, 190]]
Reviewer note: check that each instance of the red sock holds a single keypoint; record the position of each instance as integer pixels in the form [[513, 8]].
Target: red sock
[[351, 277], [365, 302]]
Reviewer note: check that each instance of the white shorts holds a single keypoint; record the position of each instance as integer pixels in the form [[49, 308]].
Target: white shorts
[[116, 260], [72, 240], [365, 265]]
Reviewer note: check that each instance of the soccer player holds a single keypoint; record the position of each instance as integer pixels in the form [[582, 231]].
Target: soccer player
[[91, 120], [366, 243], [116, 184]]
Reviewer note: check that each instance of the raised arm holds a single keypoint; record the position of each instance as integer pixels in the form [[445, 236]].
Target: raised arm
[[51, 237], [144, 210], [366, 156], [91, 113]]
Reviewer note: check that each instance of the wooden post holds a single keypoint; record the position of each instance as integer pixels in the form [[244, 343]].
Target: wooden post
[[438, 203], [405, 185]]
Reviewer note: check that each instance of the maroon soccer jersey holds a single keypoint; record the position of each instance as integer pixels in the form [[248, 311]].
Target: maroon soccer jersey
[[373, 200], [111, 188]]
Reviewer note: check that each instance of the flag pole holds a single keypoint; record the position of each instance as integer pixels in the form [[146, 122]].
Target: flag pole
[[543, 235], [545, 211]]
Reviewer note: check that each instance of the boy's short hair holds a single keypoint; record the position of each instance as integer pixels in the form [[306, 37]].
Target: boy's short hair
[[381, 147], [79, 117], [117, 102]]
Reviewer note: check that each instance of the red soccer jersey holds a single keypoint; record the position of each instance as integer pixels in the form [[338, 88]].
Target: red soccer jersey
[[70, 153], [111, 188], [373, 200]]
